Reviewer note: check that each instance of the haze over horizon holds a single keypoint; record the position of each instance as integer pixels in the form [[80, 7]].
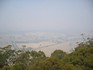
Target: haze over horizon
[[66, 16]]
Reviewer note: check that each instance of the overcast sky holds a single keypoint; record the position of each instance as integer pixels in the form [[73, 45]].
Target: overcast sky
[[46, 15]]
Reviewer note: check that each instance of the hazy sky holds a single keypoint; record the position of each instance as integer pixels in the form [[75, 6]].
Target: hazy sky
[[46, 15]]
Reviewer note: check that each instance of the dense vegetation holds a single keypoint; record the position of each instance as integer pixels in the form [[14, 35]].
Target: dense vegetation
[[79, 59]]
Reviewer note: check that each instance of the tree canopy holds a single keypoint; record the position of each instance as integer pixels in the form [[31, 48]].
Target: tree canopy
[[79, 59]]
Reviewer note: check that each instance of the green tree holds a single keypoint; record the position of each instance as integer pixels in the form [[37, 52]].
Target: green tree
[[82, 56], [18, 66], [23, 57], [58, 54], [41, 54], [48, 64], [6, 68], [5, 54]]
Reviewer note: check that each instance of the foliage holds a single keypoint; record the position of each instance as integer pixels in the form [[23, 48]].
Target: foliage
[[80, 59], [47, 64], [58, 54], [6, 68], [18, 66], [82, 56]]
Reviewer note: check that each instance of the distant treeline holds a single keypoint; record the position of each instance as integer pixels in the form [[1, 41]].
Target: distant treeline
[[79, 59]]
